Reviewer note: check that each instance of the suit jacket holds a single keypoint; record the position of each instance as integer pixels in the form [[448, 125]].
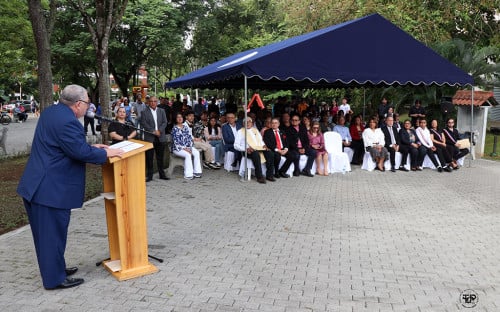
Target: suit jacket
[[148, 123], [293, 137], [228, 136], [55, 173], [387, 136], [270, 139], [405, 137]]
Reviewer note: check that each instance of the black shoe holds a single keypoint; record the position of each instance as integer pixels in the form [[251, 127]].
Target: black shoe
[[206, 166], [261, 180], [284, 175], [270, 179], [307, 173], [277, 176], [393, 169], [149, 179], [440, 169], [68, 283], [164, 178], [447, 169], [404, 169], [71, 271], [296, 174]]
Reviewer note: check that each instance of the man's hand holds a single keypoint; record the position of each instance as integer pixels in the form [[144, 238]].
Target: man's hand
[[250, 150], [114, 152], [157, 133]]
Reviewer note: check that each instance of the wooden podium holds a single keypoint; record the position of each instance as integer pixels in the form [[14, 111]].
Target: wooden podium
[[125, 204]]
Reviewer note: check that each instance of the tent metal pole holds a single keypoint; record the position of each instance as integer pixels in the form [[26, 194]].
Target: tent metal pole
[[364, 103], [245, 105]]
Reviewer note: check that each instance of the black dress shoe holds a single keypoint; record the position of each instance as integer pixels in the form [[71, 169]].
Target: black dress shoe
[[270, 179], [149, 179], [68, 283], [296, 174], [277, 176], [71, 271], [404, 169], [261, 180], [307, 173], [284, 175], [393, 169], [164, 178]]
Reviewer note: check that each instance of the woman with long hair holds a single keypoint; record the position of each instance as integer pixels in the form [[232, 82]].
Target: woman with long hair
[[183, 146], [122, 129]]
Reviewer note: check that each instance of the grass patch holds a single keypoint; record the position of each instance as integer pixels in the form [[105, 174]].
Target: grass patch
[[12, 213]]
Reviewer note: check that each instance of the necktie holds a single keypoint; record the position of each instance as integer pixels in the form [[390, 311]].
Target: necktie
[[278, 140], [393, 140]]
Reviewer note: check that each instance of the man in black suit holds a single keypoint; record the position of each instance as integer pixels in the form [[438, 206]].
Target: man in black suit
[[298, 144], [392, 140], [154, 120], [276, 141]]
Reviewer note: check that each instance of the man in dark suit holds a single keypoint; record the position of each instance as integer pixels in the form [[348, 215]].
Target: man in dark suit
[[298, 144], [229, 131], [276, 141], [154, 122], [53, 182], [392, 140]]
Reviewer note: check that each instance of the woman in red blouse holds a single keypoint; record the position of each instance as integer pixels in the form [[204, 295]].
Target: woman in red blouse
[[356, 129]]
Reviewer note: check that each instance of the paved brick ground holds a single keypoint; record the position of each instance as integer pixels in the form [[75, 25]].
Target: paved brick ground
[[355, 242]]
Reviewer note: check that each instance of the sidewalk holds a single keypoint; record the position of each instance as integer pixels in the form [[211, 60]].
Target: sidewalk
[[356, 242]]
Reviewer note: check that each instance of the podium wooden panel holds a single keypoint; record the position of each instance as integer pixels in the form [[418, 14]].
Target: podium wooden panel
[[125, 204]]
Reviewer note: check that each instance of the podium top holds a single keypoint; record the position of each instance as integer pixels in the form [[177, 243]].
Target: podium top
[[145, 146]]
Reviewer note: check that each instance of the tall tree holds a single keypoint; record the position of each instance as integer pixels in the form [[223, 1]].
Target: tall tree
[[101, 18], [42, 22]]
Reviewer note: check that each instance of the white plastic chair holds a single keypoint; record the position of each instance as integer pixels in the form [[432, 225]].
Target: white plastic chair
[[338, 161]]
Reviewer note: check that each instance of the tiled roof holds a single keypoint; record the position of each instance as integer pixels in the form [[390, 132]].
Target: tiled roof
[[481, 98]]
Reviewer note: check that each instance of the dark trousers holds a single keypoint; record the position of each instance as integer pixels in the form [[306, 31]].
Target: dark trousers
[[406, 150], [159, 151], [277, 159], [433, 155], [49, 227], [455, 152], [255, 157], [86, 122], [311, 156], [359, 151], [392, 154]]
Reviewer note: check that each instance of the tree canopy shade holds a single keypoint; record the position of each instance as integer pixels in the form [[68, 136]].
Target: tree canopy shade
[[367, 51]]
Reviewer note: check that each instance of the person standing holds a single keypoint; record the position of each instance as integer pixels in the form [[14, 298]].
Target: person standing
[[53, 182], [416, 113], [154, 123], [89, 120]]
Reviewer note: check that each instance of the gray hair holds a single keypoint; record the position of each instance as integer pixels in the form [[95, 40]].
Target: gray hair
[[72, 94]]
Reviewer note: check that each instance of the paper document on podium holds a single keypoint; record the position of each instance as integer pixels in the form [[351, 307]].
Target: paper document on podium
[[127, 146]]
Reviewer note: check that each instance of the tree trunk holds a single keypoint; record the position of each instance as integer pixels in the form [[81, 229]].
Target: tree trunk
[[41, 31]]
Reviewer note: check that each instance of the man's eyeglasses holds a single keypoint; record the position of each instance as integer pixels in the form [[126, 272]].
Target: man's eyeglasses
[[86, 102]]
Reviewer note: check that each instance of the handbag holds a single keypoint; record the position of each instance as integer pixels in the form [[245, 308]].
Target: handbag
[[464, 143]]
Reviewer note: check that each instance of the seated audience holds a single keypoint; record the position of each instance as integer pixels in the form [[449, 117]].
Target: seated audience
[[392, 140], [424, 136], [256, 151], [344, 132], [298, 144], [410, 144], [275, 141], [213, 135], [198, 133], [325, 124], [183, 146], [317, 142], [439, 142], [356, 131], [452, 145], [373, 139], [229, 131]]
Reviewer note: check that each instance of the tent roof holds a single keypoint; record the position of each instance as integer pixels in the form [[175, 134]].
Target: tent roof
[[366, 51]]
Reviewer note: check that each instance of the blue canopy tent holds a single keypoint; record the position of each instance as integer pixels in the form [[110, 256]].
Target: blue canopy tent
[[368, 51], [365, 52]]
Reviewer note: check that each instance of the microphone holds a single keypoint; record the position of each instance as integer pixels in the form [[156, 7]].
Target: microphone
[[98, 117]]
